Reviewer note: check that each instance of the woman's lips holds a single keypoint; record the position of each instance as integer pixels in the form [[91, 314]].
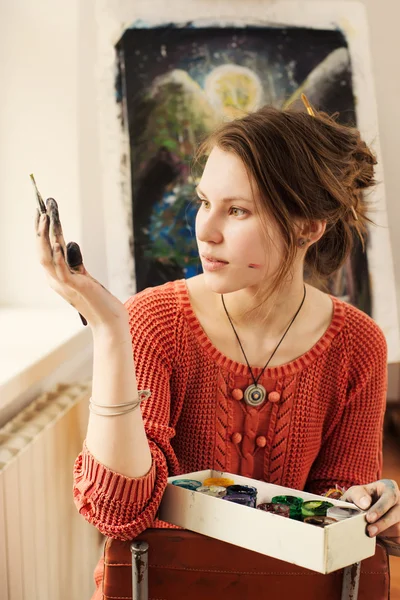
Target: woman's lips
[[211, 264]]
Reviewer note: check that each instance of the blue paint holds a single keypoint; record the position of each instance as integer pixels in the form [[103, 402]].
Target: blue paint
[[140, 24]]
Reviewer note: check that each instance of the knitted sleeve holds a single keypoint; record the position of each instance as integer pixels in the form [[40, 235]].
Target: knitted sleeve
[[119, 506], [352, 453]]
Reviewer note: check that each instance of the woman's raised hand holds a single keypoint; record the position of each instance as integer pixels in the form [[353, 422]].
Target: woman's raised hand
[[66, 274]]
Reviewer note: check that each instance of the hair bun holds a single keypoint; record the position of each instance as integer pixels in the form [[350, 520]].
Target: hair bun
[[358, 177], [362, 165]]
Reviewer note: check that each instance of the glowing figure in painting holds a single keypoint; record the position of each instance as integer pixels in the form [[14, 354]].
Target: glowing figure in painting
[[234, 90]]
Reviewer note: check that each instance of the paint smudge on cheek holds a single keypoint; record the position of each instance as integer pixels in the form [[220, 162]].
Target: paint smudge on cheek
[[254, 266]]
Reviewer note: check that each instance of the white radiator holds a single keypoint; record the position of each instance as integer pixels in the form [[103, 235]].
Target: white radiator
[[47, 550]]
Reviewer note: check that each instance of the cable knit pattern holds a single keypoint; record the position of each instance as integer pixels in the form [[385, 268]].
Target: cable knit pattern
[[274, 460], [321, 424]]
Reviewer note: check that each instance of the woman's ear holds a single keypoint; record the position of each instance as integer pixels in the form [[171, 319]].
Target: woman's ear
[[309, 232]]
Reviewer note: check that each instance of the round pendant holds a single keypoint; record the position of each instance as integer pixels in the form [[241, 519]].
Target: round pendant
[[254, 395]]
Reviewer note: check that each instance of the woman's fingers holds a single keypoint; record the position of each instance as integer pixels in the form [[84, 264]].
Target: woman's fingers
[[65, 276], [51, 257], [49, 231], [62, 264], [44, 249], [55, 230], [383, 492], [61, 268], [386, 494], [74, 257], [382, 499], [358, 495], [387, 525]]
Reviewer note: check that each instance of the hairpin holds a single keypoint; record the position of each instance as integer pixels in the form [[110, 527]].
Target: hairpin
[[307, 105], [353, 210]]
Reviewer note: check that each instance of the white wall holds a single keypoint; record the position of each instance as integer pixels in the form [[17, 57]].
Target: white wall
[[48, 125]]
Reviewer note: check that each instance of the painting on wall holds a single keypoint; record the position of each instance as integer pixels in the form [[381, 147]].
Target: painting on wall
[[179, 83]]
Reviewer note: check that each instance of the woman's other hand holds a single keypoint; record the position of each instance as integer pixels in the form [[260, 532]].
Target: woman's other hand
[[382, 500]]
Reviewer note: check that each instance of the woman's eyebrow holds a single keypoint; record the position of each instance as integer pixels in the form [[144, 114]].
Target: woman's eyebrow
[[229, 199]]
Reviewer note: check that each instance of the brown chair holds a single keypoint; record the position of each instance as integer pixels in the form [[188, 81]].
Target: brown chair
[[183, 564]]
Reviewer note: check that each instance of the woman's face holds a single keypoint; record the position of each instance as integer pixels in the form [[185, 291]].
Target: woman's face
[[229, 228]]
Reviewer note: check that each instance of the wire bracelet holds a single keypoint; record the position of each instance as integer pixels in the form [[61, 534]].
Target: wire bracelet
[[127, 406]]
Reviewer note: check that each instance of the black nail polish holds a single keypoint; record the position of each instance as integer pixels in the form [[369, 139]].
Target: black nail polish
[[83, 319]]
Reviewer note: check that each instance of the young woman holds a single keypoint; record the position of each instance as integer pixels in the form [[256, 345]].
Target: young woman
[[251, 370]]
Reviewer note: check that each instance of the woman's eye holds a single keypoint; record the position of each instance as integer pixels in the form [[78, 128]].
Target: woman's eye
[[238, 210], [201, 200]]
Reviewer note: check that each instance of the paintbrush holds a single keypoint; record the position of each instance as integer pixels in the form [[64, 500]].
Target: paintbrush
[[41, 204]]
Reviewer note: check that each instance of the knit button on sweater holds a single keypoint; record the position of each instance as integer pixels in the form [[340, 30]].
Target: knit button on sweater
[[326, 428]]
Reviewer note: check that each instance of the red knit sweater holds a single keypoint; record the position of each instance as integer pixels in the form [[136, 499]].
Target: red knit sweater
[[322, 425]]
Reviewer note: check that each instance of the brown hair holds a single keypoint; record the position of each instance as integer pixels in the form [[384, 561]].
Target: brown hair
[[304, 166]]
